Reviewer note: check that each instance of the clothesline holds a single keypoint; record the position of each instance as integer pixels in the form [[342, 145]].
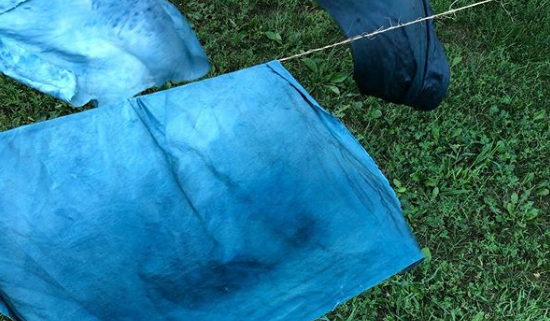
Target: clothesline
[[384, 30]]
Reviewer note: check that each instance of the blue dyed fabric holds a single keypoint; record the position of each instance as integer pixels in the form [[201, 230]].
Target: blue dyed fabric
[[6, 5], [101, 50], [4, 309], [405, 66], [234, 198]]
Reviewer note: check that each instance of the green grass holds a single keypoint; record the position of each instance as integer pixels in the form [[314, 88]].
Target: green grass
[[473, 176]]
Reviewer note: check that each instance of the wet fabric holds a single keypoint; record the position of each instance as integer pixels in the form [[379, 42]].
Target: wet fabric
[[233, 198], [102, 50], [405, 66]]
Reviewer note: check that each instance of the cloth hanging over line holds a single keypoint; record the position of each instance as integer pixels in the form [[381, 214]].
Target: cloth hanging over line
[[405, 66], [232, 198], [103, 50]]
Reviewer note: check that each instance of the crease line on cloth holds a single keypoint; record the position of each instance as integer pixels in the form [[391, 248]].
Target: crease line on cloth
[[5, 308], [278, 69], [11, 7], [380, 181], [167, 157]]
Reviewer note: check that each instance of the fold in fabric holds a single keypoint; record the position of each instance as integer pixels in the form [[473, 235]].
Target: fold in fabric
[[234, 198], [101, 50], [405, 66], [4, 309], [6, 5]]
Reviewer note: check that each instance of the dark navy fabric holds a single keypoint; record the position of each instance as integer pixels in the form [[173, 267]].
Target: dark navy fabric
[[101, 50], [405, 66], [234, 198]]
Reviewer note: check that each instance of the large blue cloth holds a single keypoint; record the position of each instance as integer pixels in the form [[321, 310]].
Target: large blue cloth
[[234, 198], [405, 66], [101, 50]]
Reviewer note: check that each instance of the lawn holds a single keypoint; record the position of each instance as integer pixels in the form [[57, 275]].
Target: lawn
[[473, 176]]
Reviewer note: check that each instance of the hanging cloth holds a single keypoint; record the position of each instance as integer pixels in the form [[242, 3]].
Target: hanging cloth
[[101, 50], [405, 66], [233, 198]]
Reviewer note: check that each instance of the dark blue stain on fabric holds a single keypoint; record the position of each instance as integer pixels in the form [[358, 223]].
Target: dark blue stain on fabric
[[234, 198], [405, 66]]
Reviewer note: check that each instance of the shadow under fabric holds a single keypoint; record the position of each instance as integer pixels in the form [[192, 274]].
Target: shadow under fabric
[[97, 50], [233, 198], [405, 66]]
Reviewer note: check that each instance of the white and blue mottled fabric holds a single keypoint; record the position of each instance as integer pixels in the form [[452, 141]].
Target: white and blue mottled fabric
[[237, 198], [102, 50]]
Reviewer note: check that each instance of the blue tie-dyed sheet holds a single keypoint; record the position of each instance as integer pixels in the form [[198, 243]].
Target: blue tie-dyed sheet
[[102, 50], [234, 198]]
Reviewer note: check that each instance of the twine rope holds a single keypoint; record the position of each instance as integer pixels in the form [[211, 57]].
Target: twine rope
[[384, 30]]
